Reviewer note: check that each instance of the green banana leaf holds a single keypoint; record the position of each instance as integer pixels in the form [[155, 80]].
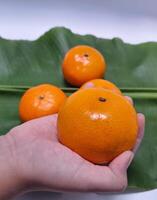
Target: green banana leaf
[[132, 67]]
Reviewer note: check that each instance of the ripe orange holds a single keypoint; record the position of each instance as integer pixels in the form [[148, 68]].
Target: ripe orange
[[97, 124], [101, 83], [40, 101], [83, 63]]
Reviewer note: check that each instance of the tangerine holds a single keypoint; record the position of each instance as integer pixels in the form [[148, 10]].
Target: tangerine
[[41, 100], [101, 83], [83, 63], [97, 124]]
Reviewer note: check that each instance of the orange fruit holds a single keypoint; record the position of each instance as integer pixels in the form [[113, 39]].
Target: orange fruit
[[40, 101], [101, 83], [97, 124], [83, 63]]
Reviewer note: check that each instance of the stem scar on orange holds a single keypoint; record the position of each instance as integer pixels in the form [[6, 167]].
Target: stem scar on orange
[[101, 83], [83, 63], [41, 100], [97, 124]]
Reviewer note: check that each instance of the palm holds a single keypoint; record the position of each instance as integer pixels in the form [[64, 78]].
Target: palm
[[45, 161]]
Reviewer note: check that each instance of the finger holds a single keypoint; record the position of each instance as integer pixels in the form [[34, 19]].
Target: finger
[[96, 178], [121, 163], [129, 99], [88, 85], [46, 126], [141, 124], [42, 127]]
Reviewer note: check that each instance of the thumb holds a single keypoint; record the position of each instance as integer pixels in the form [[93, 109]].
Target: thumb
[[121, 163]]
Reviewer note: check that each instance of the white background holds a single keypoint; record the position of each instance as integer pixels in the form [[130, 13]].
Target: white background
[[134, 21]]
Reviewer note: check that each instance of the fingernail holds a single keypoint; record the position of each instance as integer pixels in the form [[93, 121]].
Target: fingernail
[[129, 99], [142, 116]]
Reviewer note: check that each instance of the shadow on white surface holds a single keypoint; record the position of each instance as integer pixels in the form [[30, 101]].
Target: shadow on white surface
[[89, 196]]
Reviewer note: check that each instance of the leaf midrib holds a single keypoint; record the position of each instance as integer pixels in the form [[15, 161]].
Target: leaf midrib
[[142, 93]]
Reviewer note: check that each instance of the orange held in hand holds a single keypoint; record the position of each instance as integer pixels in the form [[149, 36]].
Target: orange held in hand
[[101, 83], [83, 63], [40, 101], [97, 124]]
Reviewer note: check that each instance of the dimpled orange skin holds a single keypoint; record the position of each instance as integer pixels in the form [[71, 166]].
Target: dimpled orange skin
[[83, 63], [40, 101], [101, 83], [97, 124]]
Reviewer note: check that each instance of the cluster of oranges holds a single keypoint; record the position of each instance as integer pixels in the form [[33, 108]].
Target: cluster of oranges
[[96, 121]]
